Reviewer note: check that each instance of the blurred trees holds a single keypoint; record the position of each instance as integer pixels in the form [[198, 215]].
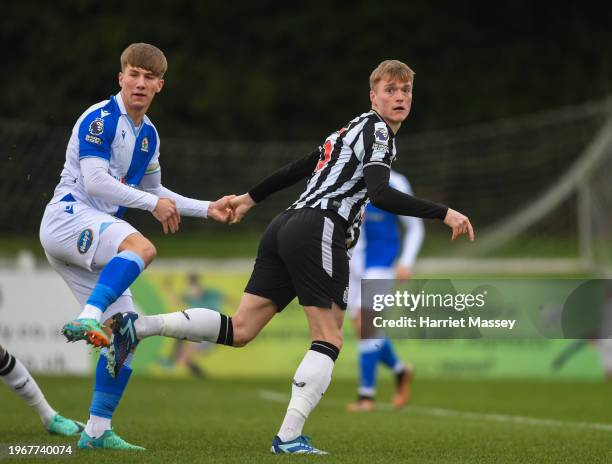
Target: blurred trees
[[262, 72]]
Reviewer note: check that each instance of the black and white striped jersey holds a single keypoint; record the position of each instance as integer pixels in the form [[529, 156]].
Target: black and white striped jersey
[[337, 182]]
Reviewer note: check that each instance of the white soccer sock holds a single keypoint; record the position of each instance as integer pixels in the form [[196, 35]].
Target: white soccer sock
[[194, 324], [147, 326], [97, 425], [311, 379], [292, 425], [91, 312], [21, 382]]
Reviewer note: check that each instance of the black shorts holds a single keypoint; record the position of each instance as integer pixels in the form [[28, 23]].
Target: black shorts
[[302, 253]]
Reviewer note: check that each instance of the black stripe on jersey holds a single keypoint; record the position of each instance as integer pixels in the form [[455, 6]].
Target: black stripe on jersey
[[325, 172], [347, 173], [323, 175]]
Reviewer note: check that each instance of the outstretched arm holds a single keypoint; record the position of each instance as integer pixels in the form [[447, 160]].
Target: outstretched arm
[[217, 210], [281, 179], [383, 196], [285, 176]]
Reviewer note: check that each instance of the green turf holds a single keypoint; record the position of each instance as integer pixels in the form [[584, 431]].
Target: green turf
[[234, 421]]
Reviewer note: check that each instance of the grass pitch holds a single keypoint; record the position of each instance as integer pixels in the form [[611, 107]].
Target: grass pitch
[[234, 420]]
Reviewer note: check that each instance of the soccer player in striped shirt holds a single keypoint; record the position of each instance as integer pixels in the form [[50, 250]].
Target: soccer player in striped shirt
[[304, 252]]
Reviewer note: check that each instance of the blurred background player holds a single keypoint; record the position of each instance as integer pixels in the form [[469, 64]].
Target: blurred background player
[[17, 378], [377, 256], [112, 163], [197, 295]]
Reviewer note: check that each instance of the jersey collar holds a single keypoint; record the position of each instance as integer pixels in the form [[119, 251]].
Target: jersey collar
[[121, 106]]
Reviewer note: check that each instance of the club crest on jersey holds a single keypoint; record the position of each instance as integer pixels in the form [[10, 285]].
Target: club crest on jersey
[[381, 135], [96, 127], [145, 144], [85, 240]]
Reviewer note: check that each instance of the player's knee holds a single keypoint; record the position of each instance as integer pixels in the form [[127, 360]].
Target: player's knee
[[149, 252], [140, 245]]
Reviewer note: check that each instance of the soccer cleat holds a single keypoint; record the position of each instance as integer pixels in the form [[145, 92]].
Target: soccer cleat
[[402, 387], [124, 341], [301, 445], [362, 405], [59, 425], [108, 440], [89, 330]]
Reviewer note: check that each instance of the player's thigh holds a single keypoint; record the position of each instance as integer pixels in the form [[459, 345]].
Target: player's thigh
[[77, 234], [325, 324], [312, 247], [270, 278], [82, 282], [253, 313]]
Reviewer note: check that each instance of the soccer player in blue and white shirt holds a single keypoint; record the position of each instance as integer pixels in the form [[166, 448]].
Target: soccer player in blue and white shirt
[[382, 253], [112, 163]]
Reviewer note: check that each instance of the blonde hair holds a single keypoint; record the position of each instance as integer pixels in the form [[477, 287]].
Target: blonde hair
[[145, 56], [391, 69]]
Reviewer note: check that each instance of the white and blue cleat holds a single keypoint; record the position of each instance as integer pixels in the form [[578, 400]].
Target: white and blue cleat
[[300, 445], [123, 343]]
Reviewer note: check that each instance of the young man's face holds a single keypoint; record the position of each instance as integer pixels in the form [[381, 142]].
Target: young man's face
[[138, 87], [392, 100]]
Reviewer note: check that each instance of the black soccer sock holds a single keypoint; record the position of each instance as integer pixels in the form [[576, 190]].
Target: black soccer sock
[[7, 363], [325, 348], [226, 331]]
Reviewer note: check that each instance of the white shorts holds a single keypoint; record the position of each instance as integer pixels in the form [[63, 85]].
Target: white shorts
[[78, 241], [354, 298]]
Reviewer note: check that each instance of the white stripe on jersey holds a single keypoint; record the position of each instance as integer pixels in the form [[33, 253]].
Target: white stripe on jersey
[[338, 183], [326, 246]]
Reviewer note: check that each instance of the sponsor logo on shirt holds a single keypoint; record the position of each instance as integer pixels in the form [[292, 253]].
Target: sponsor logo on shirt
[[380, 147], [92, 139], [85, 240], [104, 113], [96, 127], [145, 144]]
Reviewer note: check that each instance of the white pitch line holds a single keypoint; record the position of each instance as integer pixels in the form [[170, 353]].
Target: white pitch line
[[278, 397]]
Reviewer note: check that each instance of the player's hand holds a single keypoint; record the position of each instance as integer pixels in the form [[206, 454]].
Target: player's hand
[[402, 273], [241, 205], [459, 223], [221, 210], [165, 212]]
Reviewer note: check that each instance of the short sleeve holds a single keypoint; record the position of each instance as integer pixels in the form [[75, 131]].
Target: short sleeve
[[376, 144], [96, 134]]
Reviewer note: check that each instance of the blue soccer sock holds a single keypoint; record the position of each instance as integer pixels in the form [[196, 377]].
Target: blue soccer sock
[[107, 393], [118, 274], [369, 355], [389, 358]]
